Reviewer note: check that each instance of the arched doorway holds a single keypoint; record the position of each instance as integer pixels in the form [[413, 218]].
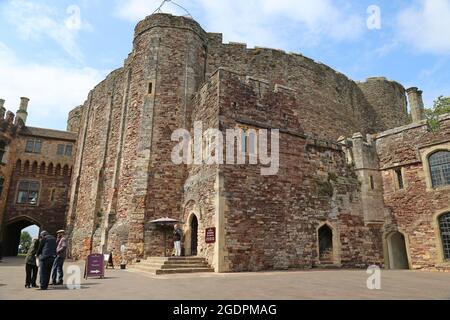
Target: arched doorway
[[194, 235], [398, 256], [326, 244], [12, 235]]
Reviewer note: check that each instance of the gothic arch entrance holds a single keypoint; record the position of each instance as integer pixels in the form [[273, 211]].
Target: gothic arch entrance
[[326, 252], [398, 254], [194, 235], [11, 235], [191, 236]]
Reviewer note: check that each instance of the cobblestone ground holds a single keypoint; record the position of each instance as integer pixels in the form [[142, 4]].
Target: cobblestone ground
[[340, 284]]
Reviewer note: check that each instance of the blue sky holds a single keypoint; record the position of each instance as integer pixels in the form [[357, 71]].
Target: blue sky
[[55, 51]]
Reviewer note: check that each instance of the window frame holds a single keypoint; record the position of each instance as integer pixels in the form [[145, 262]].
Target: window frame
[[64, 150], [68, 147], [425, 152], [371, 182], [27, 192], [34, 149], [60, 149], [399, 179], [249, 143], [440, 167]]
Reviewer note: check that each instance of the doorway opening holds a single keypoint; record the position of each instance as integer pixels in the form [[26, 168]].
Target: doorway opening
[[326, 244], [194, 235], [18, 237], [398, 255]]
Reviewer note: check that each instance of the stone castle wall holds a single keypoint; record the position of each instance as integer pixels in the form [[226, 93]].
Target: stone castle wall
[[388, 98], [52, 172], [331, 104], [272, 222], [8, 133], [414, 211], [123, 175]]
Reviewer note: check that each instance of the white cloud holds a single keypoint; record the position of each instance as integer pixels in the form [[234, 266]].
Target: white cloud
[[135, 10], [261, 22], [387, 48], [34, 21], [425, 26], [53, 90], [321, 17]]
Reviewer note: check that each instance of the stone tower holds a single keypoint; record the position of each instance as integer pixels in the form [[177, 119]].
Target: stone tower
[[129, 152]]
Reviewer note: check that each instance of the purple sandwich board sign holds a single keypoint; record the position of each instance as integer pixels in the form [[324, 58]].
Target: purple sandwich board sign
[[95, 266]]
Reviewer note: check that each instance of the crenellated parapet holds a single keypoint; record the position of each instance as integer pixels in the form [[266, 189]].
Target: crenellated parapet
[[10, 123]]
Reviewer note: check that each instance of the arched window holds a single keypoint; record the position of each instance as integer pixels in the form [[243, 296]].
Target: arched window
[[50, 169], [34, 168], [2, 150], [19, 165], [444, 225], [26, 167], [440, 168], [42, 168]]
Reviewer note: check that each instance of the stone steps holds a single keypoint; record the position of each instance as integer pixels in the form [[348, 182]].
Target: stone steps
[[173, 265]]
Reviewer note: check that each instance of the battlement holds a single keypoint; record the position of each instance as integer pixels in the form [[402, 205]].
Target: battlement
[[74, 119], [249, 80], [10, 121], [164, 20]]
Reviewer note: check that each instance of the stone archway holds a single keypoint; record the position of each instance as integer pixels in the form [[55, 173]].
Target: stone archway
[[12, 232], [397, 251], [326, 248], [191, 236]]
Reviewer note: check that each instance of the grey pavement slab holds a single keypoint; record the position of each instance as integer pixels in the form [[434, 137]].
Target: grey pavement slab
[[290, 285]]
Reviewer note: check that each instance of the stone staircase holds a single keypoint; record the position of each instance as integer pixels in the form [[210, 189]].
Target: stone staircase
[[172, 265]]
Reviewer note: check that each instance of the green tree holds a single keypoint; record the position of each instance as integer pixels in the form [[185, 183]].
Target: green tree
[[441, 106], [25, 241]]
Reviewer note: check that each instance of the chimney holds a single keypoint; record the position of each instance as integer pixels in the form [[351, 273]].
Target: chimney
[[2, 109], [22, 112], [416, 104]]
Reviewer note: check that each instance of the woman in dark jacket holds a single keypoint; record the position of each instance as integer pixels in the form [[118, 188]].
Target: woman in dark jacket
[[31, 268]]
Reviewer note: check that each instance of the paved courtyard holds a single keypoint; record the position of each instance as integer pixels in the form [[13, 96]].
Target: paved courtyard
[[340, 284]]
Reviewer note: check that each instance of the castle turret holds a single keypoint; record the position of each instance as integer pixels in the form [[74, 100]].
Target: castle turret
[[169, 60], [74, 119], [388, 100], [2, 109], [22, 112], [416, 104]]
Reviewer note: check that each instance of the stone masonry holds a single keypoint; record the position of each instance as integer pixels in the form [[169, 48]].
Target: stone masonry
[[47, 165], [330, 204]]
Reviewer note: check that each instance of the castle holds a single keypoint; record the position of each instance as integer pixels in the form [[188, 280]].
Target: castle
[[35, 170], [360, 182]]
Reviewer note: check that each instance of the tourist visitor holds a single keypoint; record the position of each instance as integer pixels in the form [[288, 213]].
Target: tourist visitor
[[31, 267], [46, 254], [177, 240], [61, 249]]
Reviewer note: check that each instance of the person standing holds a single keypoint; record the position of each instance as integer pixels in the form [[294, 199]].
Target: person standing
[[46, 254], [177, 235], [31, 267], [61, 249]]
